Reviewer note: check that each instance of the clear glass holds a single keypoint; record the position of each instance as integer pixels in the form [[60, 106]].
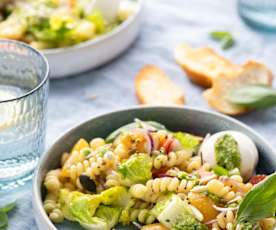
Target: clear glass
[[23, 98], [259, 13]]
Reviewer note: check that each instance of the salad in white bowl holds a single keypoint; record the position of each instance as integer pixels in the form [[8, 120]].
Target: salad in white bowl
[[74, 35]]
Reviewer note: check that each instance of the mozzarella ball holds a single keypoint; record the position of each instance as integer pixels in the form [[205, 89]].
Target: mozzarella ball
[[247, 148]]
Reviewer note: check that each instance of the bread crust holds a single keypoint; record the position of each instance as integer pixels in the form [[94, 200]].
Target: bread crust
[[251, 73], [202, 65], [152, 86]]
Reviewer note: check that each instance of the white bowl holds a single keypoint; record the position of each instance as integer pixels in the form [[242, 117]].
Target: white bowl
[[93, 53]]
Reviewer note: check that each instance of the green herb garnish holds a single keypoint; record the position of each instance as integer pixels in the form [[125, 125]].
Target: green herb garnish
[[253, 96], [220, 171], [226, 38], [4, 215], [259, 203], [227, 152]]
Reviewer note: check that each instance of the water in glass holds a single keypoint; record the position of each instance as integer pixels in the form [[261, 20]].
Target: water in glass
[[23, 96]]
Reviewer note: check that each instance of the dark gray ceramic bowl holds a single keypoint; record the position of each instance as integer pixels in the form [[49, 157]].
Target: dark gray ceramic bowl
[[174, 118]]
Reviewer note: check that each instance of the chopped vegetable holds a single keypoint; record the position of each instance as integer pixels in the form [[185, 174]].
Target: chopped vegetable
[[257, 179], [78, 206], [220, 171], [161, 205], [117, 196], [189, 142], [173, 211], [137, 169], [110, 215]]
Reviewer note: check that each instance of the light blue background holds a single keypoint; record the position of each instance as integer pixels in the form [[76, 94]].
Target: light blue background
[[165, 24]]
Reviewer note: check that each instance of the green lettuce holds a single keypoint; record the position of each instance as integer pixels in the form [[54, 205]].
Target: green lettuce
[[173, 211], [189, 142], [95, 223], [110, 215], [161, 205], [82, 208], [117, 196], [97, 18], [137, 169], [77, 206]]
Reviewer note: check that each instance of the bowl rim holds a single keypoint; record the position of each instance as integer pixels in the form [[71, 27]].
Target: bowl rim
[[101, 39], [37, 202]]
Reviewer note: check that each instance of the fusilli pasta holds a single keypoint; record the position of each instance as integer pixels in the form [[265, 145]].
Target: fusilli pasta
[[170, 160]]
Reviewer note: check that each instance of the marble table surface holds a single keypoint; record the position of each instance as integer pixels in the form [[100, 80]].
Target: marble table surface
[[165, 24]]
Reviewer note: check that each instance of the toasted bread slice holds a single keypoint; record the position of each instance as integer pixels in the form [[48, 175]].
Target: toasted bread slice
[[202, 65], [251, 73], [155, 88]]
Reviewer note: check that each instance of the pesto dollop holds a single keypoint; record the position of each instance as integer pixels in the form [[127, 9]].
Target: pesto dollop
[[227, 152]]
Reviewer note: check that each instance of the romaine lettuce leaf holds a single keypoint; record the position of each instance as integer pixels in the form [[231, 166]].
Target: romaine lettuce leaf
[[77, 206], [137, 169], [161, 205], [117, 196], [109, 214], [189, 142], [82, 208]]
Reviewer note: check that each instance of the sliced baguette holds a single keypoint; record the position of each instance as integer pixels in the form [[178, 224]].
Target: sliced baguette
[[155, 88], [202, 65], [251, 73]]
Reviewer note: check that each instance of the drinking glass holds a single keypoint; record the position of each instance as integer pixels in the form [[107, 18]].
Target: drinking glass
[[259, 13], [23, 97]]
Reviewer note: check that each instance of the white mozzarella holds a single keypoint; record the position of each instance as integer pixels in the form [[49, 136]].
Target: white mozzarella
[[247, 149]]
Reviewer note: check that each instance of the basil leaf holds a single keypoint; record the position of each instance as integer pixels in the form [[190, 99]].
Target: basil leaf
[[8, 207], [260, 202], [224, 37], [253, 96], [220, 35], [3, 220], [227, 43]]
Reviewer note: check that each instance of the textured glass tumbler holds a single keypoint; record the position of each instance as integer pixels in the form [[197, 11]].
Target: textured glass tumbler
[[259, 13], [23, 98]]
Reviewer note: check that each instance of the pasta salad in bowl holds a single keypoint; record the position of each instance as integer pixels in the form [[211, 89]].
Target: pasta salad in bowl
[[84, 33], [146, 176]]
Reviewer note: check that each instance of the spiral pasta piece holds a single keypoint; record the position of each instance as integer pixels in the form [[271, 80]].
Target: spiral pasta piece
[[154, 188], [140, 191], [170, 160], [51, 181], [142, 215], [217, 187], [50, 202], [56, 216], [225, 220], [113, 179], [92, 167], [194, 164]]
